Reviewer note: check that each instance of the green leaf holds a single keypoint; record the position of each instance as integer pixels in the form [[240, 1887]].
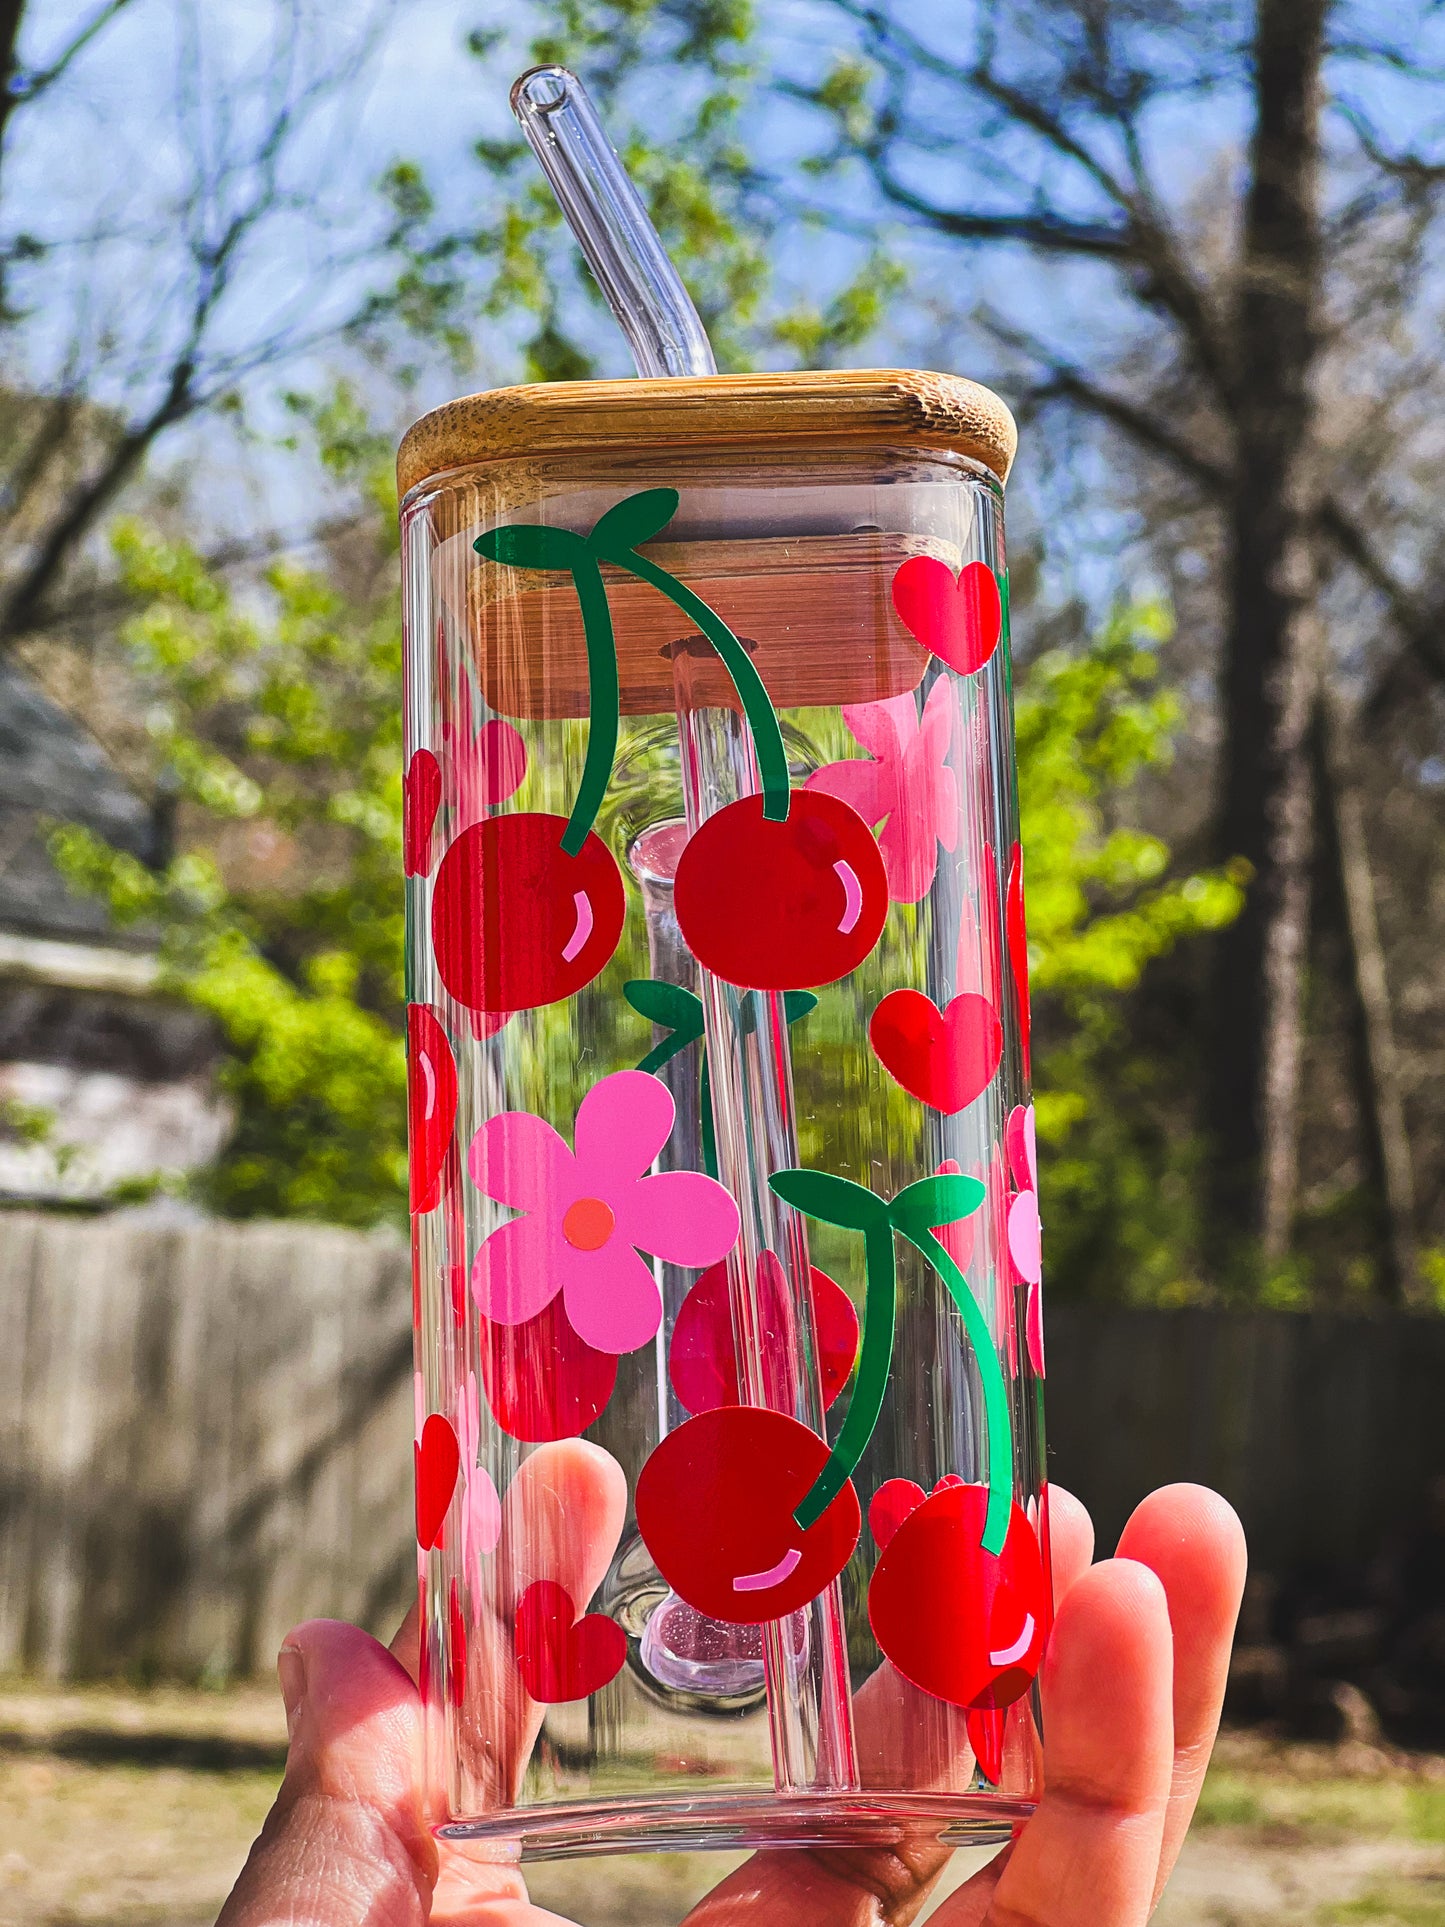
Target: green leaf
[[797, 1003], [633, 521], [832, 1200], [675, 1009], [527, 545], [936, 1201], [670, 1004]]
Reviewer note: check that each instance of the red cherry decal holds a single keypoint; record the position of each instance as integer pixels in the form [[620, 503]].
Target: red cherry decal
[[421, 795], [960, 618], [985, 1735], [542, 1381], [702, 1359], [965, 1625], [944, 1058], [516, 921], [1018, 947], [782, 906], [891, 1505], [438, 1460], [431, 1098], [557, 1658], [715, 1506]]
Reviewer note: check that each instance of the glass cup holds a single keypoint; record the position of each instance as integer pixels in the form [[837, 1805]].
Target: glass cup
[[731, 1510]]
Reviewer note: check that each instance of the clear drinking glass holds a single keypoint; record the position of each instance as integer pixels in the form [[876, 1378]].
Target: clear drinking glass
[[732, 1523]]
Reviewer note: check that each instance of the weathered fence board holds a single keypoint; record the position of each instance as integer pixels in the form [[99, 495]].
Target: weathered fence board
[[205, 1434], [1325, 1431]]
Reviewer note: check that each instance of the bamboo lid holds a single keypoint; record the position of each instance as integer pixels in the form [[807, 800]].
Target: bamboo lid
[[883, 406]]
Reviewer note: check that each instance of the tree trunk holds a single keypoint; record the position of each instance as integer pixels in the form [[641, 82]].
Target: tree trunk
[[1253, 1023], [1379, 1081], [11, 14]]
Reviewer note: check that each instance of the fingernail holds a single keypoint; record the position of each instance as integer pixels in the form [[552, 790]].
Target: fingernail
[[291, 1671]]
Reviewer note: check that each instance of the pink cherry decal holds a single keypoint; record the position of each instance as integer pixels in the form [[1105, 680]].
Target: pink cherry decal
[[421, 795], [944, 1058], [559, 1656], [438, 1460], [959, 618]]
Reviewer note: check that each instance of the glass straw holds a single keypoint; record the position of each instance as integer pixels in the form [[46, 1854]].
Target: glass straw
[[810, 1713]]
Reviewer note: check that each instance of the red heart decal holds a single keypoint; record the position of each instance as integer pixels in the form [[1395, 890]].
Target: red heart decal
[[438, 1460], [891, 1505], [944, 1058], [985, 1735], [457, 1647], [557, 1658], [421, 795], [1018, 945], [431, 1101], [959, 618]]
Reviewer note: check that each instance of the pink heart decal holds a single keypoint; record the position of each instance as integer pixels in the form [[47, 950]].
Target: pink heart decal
[[559, 1656], [944, 1058], [421, 795], [1025, 1242], [438, 1460], [959, 618]]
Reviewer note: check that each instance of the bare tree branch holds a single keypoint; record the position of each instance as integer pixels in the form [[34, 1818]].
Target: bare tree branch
[[19, 85]]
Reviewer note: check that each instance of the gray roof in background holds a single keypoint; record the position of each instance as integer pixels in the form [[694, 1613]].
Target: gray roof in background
[[50, 767]]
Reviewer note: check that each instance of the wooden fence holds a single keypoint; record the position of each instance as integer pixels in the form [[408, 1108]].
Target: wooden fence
[[205, 1435]]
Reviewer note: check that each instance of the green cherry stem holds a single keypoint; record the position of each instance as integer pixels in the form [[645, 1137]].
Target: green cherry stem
[[875, 1361], [944, 1199], [532, 545], [995, 1392], [762, 718], [603, 702]]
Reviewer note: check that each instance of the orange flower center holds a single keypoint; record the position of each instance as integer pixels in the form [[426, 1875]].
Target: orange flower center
[[588, 1224]]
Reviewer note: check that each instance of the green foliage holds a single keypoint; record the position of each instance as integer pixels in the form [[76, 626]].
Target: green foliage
[[684, 144], [279, 731], [1118, 1185]]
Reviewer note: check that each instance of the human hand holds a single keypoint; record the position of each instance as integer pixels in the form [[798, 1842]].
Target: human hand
[[1132, 1685]]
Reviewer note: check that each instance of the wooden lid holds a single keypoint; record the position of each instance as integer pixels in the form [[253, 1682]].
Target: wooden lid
[[884, 406]]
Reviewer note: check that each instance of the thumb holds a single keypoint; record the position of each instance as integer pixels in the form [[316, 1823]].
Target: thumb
[[345, 1844]]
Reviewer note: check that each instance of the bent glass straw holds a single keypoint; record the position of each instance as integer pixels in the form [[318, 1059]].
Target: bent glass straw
[[810, 1713], [610, 224]]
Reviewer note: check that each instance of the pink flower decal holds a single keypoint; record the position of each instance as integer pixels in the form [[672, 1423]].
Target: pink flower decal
[[907, 785], [588, 1213]]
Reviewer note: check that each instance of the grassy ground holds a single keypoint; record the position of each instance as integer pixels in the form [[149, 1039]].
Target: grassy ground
[[135, 1810]]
